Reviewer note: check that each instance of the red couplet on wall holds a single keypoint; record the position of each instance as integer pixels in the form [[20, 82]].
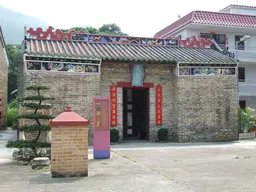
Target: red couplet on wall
[[159, 103], [113, 105]]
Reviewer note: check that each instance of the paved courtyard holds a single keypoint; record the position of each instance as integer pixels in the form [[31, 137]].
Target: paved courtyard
[[144, 166]]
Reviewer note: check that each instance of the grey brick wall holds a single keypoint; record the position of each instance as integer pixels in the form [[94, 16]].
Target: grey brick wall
[[206, 108], [3, 87], [68, 88], [194, 108]]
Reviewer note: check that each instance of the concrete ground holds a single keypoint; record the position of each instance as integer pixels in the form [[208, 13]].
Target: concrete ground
[[145, 166]]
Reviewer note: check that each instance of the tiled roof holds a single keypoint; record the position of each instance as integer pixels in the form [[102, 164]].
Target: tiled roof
[[123, 52], [212, 18]]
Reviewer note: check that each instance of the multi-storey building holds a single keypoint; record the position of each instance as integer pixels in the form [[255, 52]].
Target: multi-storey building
[[3, 81], [226, 27]]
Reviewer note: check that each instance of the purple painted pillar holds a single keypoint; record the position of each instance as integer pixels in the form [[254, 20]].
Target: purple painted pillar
[[101, 127]]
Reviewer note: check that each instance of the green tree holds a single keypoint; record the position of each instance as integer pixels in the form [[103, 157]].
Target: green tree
[[106, 29], [111, 29], [34, 144], [15, 59], [90, 30]]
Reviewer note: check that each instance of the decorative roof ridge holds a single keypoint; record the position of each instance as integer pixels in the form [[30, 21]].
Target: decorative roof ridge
[[74, 36]]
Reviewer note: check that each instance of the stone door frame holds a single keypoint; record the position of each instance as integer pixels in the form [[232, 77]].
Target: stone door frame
[[146, 85]]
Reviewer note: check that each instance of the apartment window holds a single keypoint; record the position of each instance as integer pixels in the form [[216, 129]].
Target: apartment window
[[240, 44], [242, 104], [219, 38], [241, 74]]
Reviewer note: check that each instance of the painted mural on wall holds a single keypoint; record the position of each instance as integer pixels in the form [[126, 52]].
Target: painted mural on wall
[[204, 71], [65, 67], [194, 41]]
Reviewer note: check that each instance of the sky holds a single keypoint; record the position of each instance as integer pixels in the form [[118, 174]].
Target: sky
[[135, 17]]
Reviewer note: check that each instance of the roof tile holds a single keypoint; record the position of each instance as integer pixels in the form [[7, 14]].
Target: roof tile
[[213, 18], [125, 52]]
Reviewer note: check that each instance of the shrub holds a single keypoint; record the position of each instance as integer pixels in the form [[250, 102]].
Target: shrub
[[13, 103], [30, 148], [114, 135], [162, 134], [11, 116], [246, 119]]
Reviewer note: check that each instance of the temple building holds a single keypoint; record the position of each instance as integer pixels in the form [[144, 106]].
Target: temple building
[[184, 86], [3, 81]]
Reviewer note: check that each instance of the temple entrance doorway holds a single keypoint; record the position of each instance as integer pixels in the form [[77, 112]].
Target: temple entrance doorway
[[136, 113]]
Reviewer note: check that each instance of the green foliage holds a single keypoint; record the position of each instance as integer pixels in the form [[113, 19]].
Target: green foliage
[[37, 87], [91, 30], [14, 56], [162, 134], [27, 144], [11, 115], [35, 127], [163, 131], [12, 85], [37, 98], [246, 119], [106, 29], [36, 106], [114, 135], [34, 116], [111, 29], [34, 144], [13, 103]]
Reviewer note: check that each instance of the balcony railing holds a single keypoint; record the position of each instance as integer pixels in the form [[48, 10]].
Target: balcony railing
[[244, 53]]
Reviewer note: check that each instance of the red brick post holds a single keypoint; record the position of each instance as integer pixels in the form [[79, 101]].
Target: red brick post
[[69, 145]]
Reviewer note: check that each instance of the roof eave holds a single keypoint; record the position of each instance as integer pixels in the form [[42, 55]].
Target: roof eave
[[228, 26]]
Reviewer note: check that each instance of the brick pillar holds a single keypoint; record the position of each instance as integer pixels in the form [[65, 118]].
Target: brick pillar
[[69, 145]]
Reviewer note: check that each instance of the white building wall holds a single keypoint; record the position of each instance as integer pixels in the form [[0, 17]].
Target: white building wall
[[247, 57], [183, 33], [250, 102], [240, 10], [243, 11]]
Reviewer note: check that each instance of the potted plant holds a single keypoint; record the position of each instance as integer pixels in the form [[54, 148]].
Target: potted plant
[[246, 121], [162, 134], [114, 135]]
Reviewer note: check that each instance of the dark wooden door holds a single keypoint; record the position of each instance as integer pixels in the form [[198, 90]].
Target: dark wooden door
[[135, 113]]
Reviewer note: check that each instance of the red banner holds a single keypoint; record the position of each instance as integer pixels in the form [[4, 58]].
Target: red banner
[[159, 103], [113, 102]]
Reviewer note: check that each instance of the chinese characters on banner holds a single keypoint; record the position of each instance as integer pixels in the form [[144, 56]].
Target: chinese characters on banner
[[159, 105], [98, 115], [113, 101]]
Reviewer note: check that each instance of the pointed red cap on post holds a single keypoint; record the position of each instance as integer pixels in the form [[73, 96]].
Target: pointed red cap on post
[[68, 117]]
